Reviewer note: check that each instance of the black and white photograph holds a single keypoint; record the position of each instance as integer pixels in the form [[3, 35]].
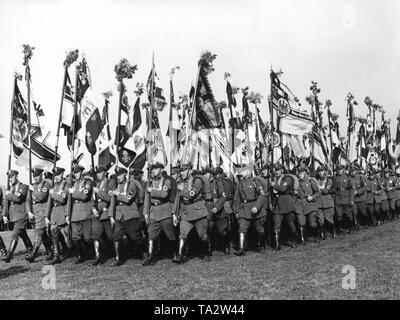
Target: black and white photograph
[[177, 151]]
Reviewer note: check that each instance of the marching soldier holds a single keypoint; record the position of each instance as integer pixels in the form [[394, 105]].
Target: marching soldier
[[3, 250], [127, 218], [192, 211], [56, 212], [229, 188], [360, 196], [373, 198], [215, 198], [17, 214], [136, 177], [389, 186], [81, 217], [265, 179], [325, 202], [344, 195], [308, 194], [284, 209], [248, 204], [158, 212], [36, 206], [384, 206], [101, 224]]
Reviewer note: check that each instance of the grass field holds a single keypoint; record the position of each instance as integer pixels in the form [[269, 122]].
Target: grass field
[[313, 271]]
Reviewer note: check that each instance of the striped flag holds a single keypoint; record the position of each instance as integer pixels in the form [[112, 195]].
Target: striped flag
[[106, 156]]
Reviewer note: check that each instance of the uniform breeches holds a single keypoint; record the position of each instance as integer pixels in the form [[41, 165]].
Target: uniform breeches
[[288, 217], [258, 224], [19, 229], [99, 227], [155, 227], [130, 228], [343, 210], [221, 225], [201, 226], [82, 229]]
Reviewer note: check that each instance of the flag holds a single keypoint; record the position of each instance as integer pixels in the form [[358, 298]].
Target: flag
[[38, 109], [292, 118], [174, 127], [43, 153], [351, 134], [91, 122], [158, 93], [106, 157], [362, 147], [234, 121], [207, 113], [154, 136], [320, 150], [138, 137], [68, 105]]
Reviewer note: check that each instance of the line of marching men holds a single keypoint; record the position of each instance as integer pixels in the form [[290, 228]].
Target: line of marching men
[[221, 210]]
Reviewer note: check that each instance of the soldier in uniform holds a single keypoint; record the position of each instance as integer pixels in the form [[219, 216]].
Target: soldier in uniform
[[325, 202], [229, 188], [192, 211], [3, 250], [389, 186], [308, 194], [248, 205], [81, 217], [214, 199], [101, 224], [17, 214], [265, 179], [284, 204], [397, 192], [373, 198], [36, 206], [158, 212], [56, 212], [360, 196], [127, 218], [136, 177], [344, 195]]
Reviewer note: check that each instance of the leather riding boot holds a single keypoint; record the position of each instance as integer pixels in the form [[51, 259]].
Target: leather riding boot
[[31, 257], [47, 247], [241, 252], [227, 247], [181, 255], [207, 251], [261, 244], [151, 257], [13, 245], [56, 251], [3, 250], [78, 251], [173, 248], [277, 243], [356, 224], [322, 232], [302, 239], [97, 260], [27, 242], [294, 240], [118, 260]]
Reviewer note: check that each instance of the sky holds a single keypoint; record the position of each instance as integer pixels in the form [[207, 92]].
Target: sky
[[346, 46]]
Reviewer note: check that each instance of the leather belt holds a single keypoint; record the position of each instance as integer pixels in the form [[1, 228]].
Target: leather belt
[[248, 201], [80, 201], [158, 203]]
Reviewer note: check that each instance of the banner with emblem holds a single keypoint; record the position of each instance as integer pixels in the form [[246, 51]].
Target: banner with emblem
[[292, 117]]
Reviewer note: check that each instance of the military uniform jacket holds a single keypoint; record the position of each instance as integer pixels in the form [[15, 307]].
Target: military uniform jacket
[[38, 200], [308, 187], [103, 197], [81, 200], [229, 188], [125, 203], [285, 202], [266, 187], [249, 194], [344, 188], [373, 189], [17, 197], [192, 205], [360, 186], [57, 204], [215, 197], [390, 186], [325, 201], [156, 203]]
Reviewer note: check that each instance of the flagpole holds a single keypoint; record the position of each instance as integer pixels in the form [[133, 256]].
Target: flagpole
[[16, 77], [60, 117], [330, 136], [118, 138], [171, 136], [150, 127], [271, 111], [28, 52]]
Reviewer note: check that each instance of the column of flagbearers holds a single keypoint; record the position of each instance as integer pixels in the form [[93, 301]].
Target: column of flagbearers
[[222, 210]]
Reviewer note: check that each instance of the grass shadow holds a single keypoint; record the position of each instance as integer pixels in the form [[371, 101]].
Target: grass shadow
[[12, 271]]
